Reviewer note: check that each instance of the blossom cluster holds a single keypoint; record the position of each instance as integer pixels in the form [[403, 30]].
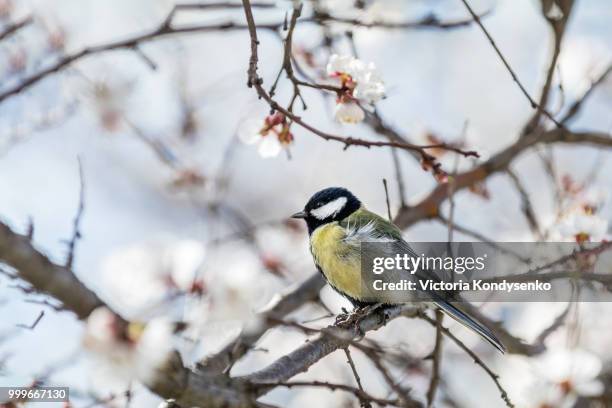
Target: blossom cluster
[[359, 82], [271, 135], [132, 351], [564, 376], [583, 221], [21, 54]]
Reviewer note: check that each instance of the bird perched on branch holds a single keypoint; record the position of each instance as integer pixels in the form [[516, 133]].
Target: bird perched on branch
[[338, 224]]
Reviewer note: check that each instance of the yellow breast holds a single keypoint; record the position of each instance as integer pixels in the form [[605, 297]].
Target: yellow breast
[[339, 262]]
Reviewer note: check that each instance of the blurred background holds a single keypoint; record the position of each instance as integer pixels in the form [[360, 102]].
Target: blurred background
[[171, 190]]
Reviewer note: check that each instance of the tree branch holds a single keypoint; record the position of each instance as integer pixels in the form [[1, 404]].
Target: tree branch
[[255, 81], [173, 380], [14, 27], [429, 206], [32, 266], [558, 27], [283, 305], [329, 340], [515, 78]]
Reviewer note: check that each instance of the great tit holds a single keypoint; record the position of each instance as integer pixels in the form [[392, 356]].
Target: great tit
[[337, 225]]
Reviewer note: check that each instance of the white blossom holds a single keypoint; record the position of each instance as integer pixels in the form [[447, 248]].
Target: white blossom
[[270, 135], [154, 347], [594, 198], [348, 112], [184, 259], [583, 226], [269, 147], [388, 11], [249, 132], [362, 80], [370, 86], [108, 98], [100, 331], [573, 371], [582, 60], [142, 275], [542, 395], [340, 64], [130, 352]]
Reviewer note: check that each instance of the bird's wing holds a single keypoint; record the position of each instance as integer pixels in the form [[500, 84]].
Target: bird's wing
[[379, 226], [372, 236], [365, 226]]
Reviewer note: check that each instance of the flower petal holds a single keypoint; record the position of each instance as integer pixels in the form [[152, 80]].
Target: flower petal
[[249, 131], [339, 63], [348, 112], [269, 146]]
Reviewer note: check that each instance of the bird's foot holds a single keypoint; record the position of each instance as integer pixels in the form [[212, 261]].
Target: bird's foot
[[354, 318], [343, 317]]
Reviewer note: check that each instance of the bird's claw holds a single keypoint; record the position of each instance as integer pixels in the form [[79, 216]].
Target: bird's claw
[[342, 318], [354, 318]]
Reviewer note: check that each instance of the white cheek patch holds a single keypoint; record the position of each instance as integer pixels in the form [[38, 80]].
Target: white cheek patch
[[330, 209]]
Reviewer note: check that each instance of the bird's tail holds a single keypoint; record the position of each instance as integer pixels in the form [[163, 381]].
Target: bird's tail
[[470, 323]]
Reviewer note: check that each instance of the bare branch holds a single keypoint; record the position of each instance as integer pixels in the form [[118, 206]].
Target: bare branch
[[477, 360], [526, 205], [76, 234], [515, 78], [428, 22], [387, 200], [35, 323], [480, 237], [558, 26], [436, 358], [401, 186], [351, 363], [130, 43], [365, 398], [173, 380], [330, 340], [577, 105], [429, 206], [280, 307], [14, 27], [34, 267]]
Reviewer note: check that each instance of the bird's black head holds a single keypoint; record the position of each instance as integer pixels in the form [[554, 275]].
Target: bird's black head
[[331, 204]]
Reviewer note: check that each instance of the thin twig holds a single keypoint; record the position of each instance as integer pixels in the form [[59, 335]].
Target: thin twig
[[14, 27], [351, 363], [401, 392], [558, 27], [76, 231], [429, 21], [387, 200], [162, 30], [436, 358], [575, 107], [33, 325], [515, 78], [477, 360], [526, 205], [255, 81], [480, 237], [363, 396], [429, 207], [401, 189]]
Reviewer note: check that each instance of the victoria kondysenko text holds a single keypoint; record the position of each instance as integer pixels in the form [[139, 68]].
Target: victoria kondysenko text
[[474, 285]]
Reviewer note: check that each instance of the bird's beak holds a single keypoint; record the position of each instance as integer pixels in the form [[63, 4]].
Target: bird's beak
[[300, 214]]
